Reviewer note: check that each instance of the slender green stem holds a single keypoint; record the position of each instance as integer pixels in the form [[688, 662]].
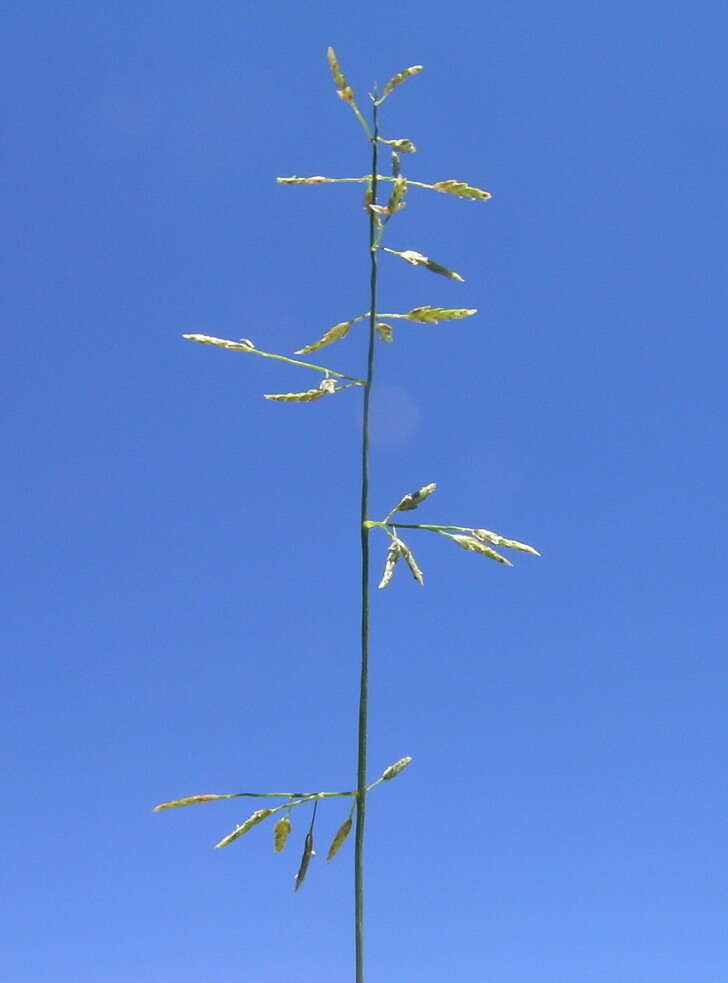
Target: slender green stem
[[361, 784]]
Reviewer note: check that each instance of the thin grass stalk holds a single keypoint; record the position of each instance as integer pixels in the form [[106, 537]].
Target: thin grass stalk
[[361, 786]]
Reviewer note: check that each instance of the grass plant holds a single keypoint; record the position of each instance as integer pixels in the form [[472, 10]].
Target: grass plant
[[380, 211]]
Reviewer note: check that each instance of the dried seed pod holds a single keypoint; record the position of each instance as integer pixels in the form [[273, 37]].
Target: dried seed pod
[[257, 817], [397, 768], [339, 839], [385, 332], [281, 832]]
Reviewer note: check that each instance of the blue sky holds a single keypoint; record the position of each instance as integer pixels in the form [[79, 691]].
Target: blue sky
[[180, 608]]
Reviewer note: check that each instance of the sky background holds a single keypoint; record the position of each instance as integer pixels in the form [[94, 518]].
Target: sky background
[[181, 595]]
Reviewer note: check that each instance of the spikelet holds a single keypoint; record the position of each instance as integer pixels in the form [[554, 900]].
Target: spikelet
[[461, 190], [399, 78], [396, 201], [403, 146], [411, 563], [416, 498], [475, 546], [244, 345], [339, 839], [344, 90], [281, 832], [486, 536], [336, 333], [310, 396], [417, 259], [433, 315], [192, 800], [396, 164], [257, 817], [396, 769], [385, 332], [393, 554], [308, 852], [316, 179]]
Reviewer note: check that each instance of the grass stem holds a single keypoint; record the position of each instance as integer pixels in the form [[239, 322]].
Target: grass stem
[[361, 784]]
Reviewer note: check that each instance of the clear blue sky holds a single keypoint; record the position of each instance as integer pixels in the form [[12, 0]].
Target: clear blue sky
[[180, 608]]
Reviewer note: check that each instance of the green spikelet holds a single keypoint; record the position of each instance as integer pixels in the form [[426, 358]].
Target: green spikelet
[[486, 536], [433, 315], [396, 769], [396, 200], [281, 832], [417, 259], [474, 545], [257, 817], [336, 333], [411, 562], [316, 179], [416, 498], [308, 852], [310, 396], [461, 190], [343, 88], [191, 800], [339, 839], [393, 554], [403, 146], [244, 345], [399, 78]]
